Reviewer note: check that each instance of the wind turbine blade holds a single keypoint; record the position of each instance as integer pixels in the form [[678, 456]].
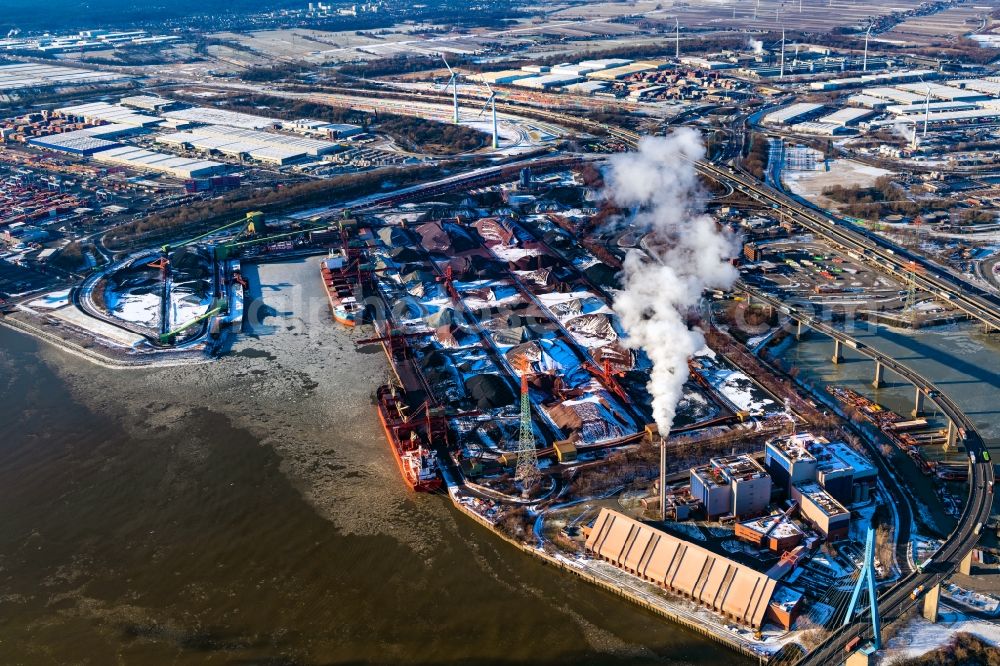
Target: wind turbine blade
[[448, 66]]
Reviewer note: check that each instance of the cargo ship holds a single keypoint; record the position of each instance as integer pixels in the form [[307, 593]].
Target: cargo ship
[[410, 438], [344, 306]]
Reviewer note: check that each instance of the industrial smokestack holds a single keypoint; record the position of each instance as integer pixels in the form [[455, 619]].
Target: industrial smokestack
[[687, 253]]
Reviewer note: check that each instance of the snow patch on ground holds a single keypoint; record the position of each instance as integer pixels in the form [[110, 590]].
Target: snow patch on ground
[[919, 636]]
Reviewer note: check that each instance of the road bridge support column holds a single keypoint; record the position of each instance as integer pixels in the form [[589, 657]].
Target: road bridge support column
[[918, 403], [798, 330], [862, 657], [951, 437], [930, 606], [838, 353], [878, 382], [965, 566]]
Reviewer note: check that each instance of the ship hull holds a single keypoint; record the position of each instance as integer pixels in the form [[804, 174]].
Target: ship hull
[[424, 486]]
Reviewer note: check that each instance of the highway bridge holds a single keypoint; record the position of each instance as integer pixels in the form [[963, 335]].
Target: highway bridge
[[896, 600]]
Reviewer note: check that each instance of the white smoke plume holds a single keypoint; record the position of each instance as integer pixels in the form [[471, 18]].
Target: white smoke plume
[[685, 254], [756, 46]]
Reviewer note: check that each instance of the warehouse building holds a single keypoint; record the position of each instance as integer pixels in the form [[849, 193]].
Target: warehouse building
[[933, 107], [868, 101], [735, 485], [625, 71], [586, 87], [504, 77], [794, 113], [822, 129], [947, 118], [209, 116], [32, 75], [847, 117], [716, 582], [148, 160], [547, 81], [894, 95], [148, 103], [236, 142], [943, 92], [109, 113], [822, 511]]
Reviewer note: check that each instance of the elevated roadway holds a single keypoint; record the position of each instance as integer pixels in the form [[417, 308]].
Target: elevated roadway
[[896, 600]]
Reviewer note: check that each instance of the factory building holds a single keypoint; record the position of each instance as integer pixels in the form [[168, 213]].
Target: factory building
[[735, 485], [893, 95], [793, 113], [823, 512], [789, 461], [716, 582], [773, 532], [840, 470]]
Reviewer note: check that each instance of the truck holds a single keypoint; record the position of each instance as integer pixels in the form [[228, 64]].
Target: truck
[[917, 591]]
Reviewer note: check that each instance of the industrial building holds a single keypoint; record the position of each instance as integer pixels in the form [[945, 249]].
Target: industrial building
[[847, 117], [735, 485], [546, 81], [868, 101], [716, 582], [878, 78], [802, 458], [503, 77], [625, 71], [239, 143], [148, 160], [794, 113], [148, 103], [774, 532], [32, 75], [209, 116], [933, 107], [109, 113], [943, 92], [822, 511]]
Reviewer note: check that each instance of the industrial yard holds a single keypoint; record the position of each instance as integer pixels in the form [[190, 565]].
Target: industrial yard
[[668, 296]]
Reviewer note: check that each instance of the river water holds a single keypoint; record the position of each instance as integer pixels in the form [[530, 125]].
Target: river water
[[248, 511]]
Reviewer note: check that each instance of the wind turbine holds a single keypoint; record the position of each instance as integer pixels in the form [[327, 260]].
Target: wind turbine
[[927, 107], [755, 8], [492, 102], [864, 64], [453, 82], [782, 75], [677, 38]]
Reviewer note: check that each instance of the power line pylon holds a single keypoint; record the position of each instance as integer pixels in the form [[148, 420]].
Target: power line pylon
[[867, 579], [527, 455]]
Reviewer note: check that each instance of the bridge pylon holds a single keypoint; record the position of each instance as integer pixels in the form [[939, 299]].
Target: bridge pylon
[[866, 580]]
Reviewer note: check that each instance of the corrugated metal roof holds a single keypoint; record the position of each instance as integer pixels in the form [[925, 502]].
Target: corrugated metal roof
[[715, 581]]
